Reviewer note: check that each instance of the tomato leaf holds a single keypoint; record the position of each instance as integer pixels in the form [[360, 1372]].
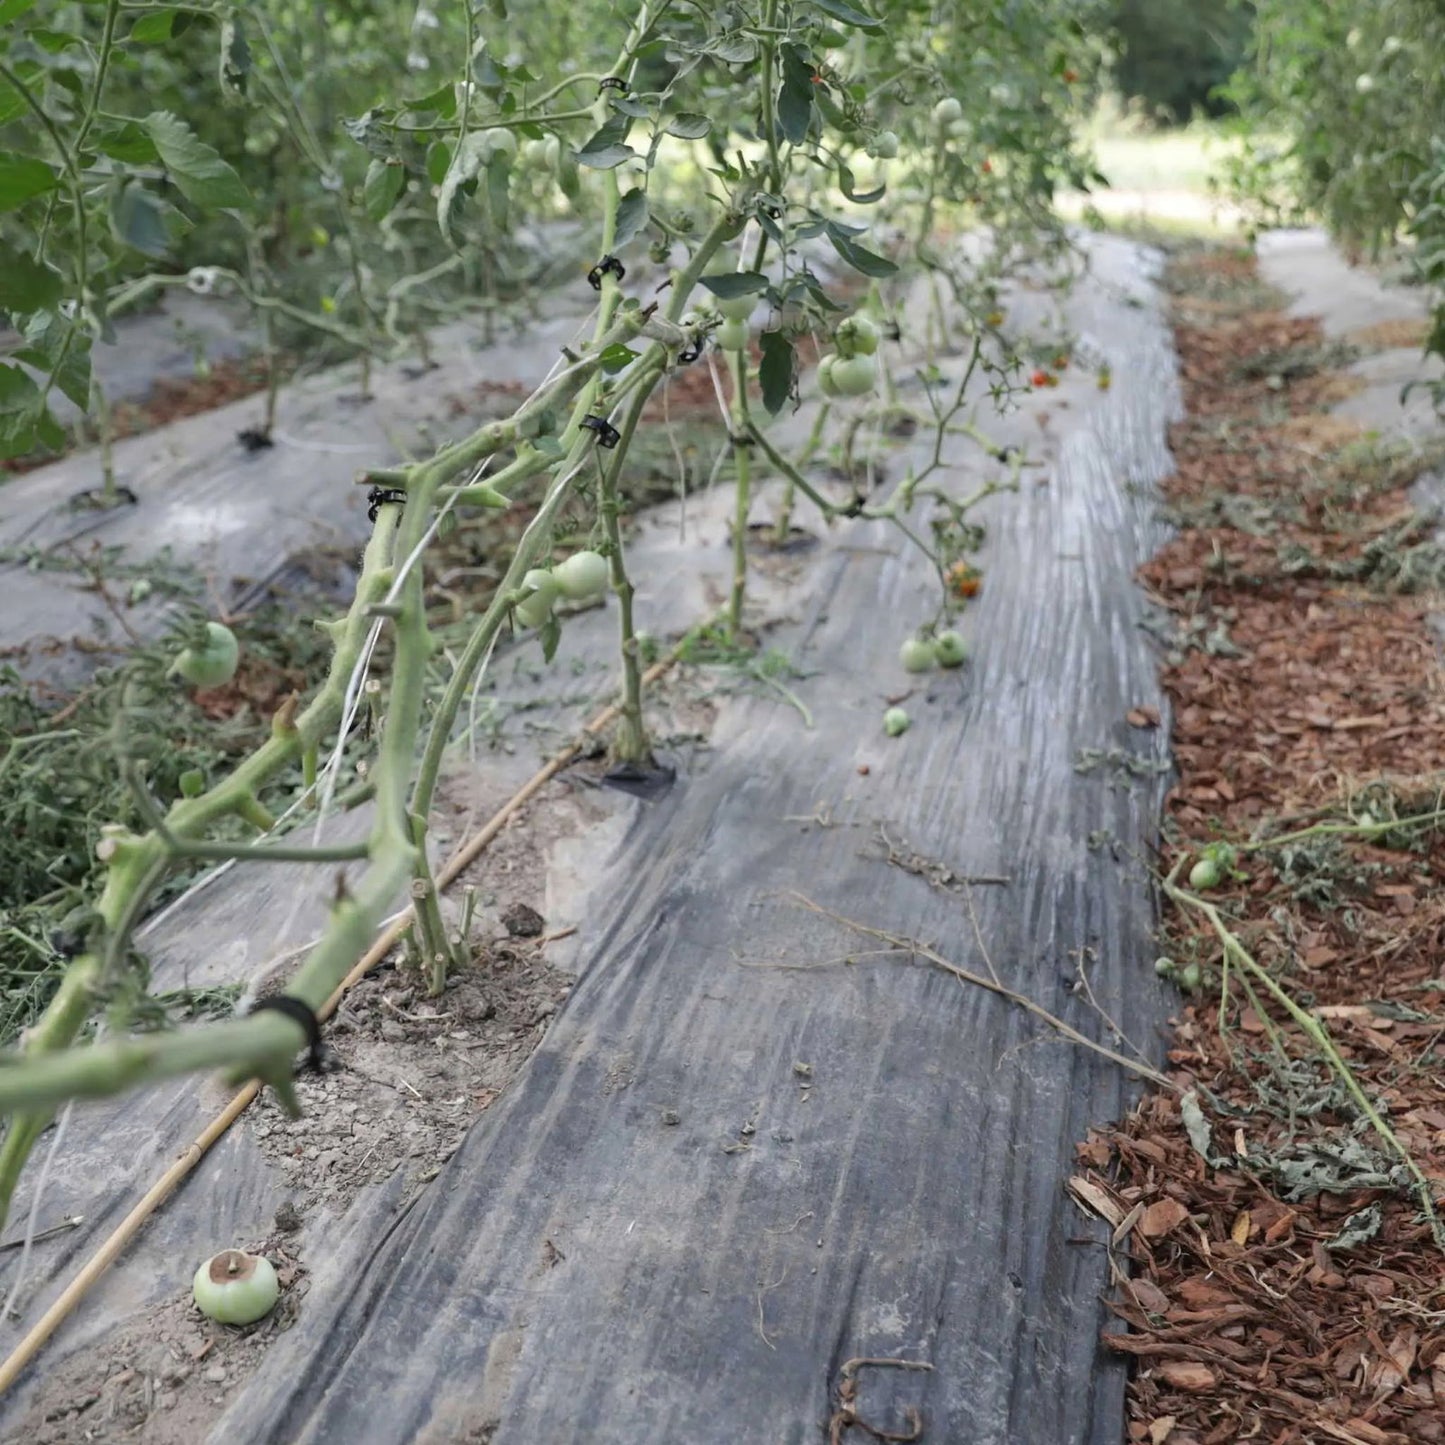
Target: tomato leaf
[[152, 29], [859, 257], [688, 125], [859, 198], [736, 283], [847, 15], [145, 222], [631, 217], [617, 357], [200, 174], [775, 373], [550, 634], [607, 147], [125, 142], [795, 95], [21, 178], [61, 349], [20, 409], [382, 188], [235, 64], [26, 285]]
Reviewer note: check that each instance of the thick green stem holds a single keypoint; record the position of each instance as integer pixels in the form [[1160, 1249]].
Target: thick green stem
[[630, 742], [742, 436]]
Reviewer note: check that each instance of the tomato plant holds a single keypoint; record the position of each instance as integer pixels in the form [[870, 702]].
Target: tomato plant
[[358, 193]]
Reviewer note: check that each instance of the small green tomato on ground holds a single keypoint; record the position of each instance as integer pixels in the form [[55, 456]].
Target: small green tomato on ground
[[949, 649], [1215, 864], [917, 655], [733, 335], [896, 722], [236, 1288], [211, 663], [582, 576]]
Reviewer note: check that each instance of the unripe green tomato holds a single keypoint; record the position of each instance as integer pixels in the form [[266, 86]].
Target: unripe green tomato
[[541, 155], [213, 664], [885, 145], [1164, 967], [855, 375], [858, 336], [192, 783], [958, 129], [826, 384], [1204, 875], [949, 649], [235, 1288], [948, 110], [736, 308], [535, 608], [1192, 977], [733, 335], [916, 655], [583, 575], [896, 721]]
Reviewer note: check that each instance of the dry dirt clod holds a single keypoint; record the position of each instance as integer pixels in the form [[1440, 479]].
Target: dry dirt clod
[[522, 921]]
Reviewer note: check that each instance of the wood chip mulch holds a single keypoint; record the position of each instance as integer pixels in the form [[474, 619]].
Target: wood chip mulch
[[1287, 1288]]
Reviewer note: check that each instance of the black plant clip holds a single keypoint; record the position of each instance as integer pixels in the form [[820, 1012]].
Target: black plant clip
[[602, 268], [689, 354], [612, 82], [607, 435], [378, 497], [300, 1012]]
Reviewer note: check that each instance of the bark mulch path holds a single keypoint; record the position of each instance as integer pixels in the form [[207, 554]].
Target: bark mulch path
[[1277, 1277]]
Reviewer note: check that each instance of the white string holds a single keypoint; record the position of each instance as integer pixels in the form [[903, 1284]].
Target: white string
[[32, 1221]]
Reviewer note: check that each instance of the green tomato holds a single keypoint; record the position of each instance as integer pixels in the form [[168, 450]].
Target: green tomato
[[536, 607], [916, 655], [949, 649], [1205, 875], [885, 145], [1164, 967], [192, 783], [857, 336], [733, 335], [947, 110], [855, 375], [542, 155], [736, 308], [582, 576], [235, 1288], [826, 384], [1192, 977], [896, 721], [213, 663]]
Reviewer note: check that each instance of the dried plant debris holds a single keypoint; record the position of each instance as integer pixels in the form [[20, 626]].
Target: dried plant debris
[[1284, 1281]]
